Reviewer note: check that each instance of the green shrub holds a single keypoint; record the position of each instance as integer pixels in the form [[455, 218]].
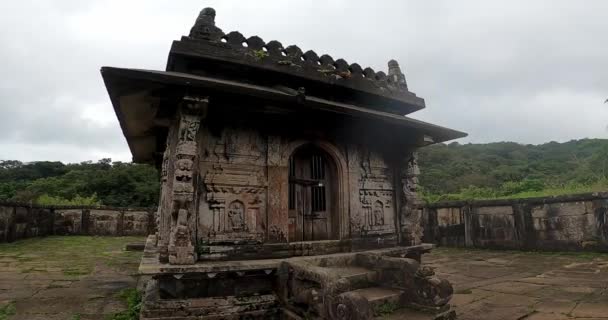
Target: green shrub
[[7, 310], [133, 300]]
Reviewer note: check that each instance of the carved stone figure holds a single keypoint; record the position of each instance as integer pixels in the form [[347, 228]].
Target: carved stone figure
[[188, 130], [164, 173], [236, 212], [430, 290], [204, 27], [350, 306], [397, 77], [181, 249], [411, 211], [276, 234], [378, 213], [183, 170], [235, 194], [182, 217]]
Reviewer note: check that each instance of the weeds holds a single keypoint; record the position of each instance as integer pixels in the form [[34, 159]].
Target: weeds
[[7, 310], [386, 308], [465, 291], [260, 54], [133, 299]]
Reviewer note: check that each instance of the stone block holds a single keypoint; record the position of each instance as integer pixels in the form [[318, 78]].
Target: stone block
[[68, 221], [135, 223], [104, 222]]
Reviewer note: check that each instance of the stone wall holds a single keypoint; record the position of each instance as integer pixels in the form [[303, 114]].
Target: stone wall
[[573, 222], [20, 221], [226, 183]]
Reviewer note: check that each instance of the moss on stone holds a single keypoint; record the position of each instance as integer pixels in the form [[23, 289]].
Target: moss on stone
[[7, 310]]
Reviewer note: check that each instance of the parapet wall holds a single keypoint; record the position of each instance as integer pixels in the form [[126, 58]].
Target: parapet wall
[[20, 221], [574, 222]]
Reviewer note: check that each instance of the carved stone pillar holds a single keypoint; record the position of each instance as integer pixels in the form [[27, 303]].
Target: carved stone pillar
[[278, 192], [411, 204], [160, 232], [181, 211]]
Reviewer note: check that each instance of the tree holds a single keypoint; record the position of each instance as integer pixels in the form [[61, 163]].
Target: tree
[[102, 182]]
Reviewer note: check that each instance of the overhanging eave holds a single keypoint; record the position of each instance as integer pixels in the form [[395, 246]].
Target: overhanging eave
[[136, 106]]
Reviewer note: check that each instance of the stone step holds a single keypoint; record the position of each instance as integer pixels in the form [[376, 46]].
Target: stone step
[[135, 246], [378, 296], [358, 277]]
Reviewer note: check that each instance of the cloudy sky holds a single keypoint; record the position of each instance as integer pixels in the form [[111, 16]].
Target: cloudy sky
[[524, 71]]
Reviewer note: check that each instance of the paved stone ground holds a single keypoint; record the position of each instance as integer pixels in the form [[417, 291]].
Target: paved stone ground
[[71, 278], [503, 285], [67, 278]]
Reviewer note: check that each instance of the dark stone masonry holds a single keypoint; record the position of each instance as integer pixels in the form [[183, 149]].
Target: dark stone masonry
[[562, 223], [288, 182], [21, 221]]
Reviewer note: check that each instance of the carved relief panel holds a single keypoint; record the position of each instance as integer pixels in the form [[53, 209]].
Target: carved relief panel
[[376, 213], [234, 203], [233, 200], [236, 145]]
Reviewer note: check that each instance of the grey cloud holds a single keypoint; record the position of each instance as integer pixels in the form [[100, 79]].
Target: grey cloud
[[523, 71]]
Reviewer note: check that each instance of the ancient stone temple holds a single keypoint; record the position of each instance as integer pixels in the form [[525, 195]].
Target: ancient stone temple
[[288, 182]]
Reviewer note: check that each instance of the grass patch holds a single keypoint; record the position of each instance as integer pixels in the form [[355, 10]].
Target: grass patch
[[70, 258], [71, 255], [75, 272], [22, 258], [7, 310], [27, 270], [386, 308], [133, 299], [465, 291]]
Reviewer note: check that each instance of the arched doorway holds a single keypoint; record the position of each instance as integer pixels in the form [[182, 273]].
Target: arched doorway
[[312, 195]]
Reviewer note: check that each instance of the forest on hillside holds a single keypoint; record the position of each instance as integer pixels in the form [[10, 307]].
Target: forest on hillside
[[88, 183], [448, 172], [511, 170]]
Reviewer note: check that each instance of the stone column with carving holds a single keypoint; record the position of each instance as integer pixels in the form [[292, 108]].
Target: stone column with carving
[[181, 249], [163, 191], [164, 203], [411, 204], [278, 191]]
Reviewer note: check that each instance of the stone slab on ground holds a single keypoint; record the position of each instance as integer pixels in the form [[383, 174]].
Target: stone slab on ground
[[512, 285], [65, 278]]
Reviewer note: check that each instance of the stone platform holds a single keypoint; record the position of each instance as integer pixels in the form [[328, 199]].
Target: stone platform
[[514, 285], [38, 280], [356, 285]]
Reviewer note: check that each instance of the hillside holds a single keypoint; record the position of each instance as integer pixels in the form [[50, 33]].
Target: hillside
[[87, 183], [508, 170], [448, 172]]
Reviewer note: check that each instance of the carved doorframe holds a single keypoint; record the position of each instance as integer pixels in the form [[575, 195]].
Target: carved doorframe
[[341, 181]]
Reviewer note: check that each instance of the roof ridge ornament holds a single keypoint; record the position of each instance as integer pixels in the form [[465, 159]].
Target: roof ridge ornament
[[204, 27], [395, 74], [207, 44]]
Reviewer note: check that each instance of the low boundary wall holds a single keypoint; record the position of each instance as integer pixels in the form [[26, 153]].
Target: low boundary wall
[[20, 221], [561, 223]]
